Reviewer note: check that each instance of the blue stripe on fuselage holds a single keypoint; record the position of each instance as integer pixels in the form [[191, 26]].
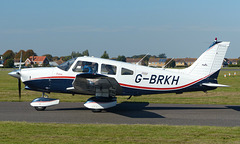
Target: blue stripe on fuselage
[[49, 85]]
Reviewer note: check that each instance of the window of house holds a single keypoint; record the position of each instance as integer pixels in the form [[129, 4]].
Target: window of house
[[108, 69], [86, 67], [125, 71]]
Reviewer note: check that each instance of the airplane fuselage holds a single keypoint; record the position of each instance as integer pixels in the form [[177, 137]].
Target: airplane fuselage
[[133, 79]]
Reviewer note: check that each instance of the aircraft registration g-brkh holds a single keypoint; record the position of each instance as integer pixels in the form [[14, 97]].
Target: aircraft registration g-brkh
[[105, 79]]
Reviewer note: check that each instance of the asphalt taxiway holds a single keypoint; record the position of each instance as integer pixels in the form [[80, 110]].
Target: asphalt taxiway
[[125, 113]]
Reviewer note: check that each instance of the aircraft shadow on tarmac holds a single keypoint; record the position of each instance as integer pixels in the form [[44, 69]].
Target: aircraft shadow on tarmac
[[128, 109], [142, 110], [236, 108], [134, 110]]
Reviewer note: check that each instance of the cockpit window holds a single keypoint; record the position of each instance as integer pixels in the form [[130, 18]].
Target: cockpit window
[[86, 66], [108, 69], [65, 66], [125, 71]]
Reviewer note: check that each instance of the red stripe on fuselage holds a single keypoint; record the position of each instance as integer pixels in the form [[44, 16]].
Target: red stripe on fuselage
[[55, 77], [173, 88]]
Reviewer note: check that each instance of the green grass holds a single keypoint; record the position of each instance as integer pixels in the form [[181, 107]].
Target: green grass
[[22, 132]]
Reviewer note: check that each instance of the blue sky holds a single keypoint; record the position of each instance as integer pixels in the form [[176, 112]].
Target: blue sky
[[125, 27]]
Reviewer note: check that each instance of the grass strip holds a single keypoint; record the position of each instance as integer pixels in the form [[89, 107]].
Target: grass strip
[[23, 132]]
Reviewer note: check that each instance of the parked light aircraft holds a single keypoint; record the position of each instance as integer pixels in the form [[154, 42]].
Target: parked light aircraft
[[106, 79]]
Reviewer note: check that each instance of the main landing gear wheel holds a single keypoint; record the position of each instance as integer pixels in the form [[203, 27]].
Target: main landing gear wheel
[[40, 108]]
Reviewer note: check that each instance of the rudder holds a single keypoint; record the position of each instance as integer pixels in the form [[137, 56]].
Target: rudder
[[210, 61]]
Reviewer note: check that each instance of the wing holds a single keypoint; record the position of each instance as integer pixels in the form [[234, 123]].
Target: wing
[[95, 84]]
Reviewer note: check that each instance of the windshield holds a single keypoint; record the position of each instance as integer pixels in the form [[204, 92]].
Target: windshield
[[65, 66]]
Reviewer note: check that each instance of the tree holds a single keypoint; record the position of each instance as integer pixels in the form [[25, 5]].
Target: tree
[[85, 53], [49, 57], [121, 58], [75, 54], [18, 55], [105, 55], [162, 55], [9, 54], [29, 53], [66, 58], [56, 58], [46, 65], [138, 56], [9, 63]]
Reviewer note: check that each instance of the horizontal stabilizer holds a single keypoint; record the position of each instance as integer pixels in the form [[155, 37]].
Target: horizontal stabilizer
[[214, 85]]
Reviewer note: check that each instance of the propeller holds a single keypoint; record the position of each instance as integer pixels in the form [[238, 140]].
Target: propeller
[[19, 79], [17, 74], [19, 88]]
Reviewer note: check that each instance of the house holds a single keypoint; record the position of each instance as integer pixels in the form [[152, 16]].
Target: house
[[189, 61], [59, 61], [180, 62], [230, 61], [156, 62], [233, 61], [37, 60], [134, 60], [184, 62], [1, 61], [17, 62]]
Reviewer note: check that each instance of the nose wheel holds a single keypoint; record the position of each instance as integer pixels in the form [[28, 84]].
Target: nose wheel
[[41, 103], [40, 108]]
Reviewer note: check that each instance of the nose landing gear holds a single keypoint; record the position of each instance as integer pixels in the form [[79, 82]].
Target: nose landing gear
[[41, 103]]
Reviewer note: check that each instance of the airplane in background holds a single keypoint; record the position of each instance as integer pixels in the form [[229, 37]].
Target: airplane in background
[[106, 79]]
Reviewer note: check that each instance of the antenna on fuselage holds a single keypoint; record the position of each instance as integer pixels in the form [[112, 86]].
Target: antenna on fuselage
[[142, 59], [167, 63]]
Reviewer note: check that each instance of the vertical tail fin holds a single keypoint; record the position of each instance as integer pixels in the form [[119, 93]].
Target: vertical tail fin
[[210, 61]]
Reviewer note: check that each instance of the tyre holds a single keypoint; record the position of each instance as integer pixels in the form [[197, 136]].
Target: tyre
[[40, 108]]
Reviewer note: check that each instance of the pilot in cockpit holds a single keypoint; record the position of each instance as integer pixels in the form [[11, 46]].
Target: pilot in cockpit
[[87, 67]]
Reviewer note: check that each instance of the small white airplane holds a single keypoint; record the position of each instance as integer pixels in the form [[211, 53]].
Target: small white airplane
[[105, 79]]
